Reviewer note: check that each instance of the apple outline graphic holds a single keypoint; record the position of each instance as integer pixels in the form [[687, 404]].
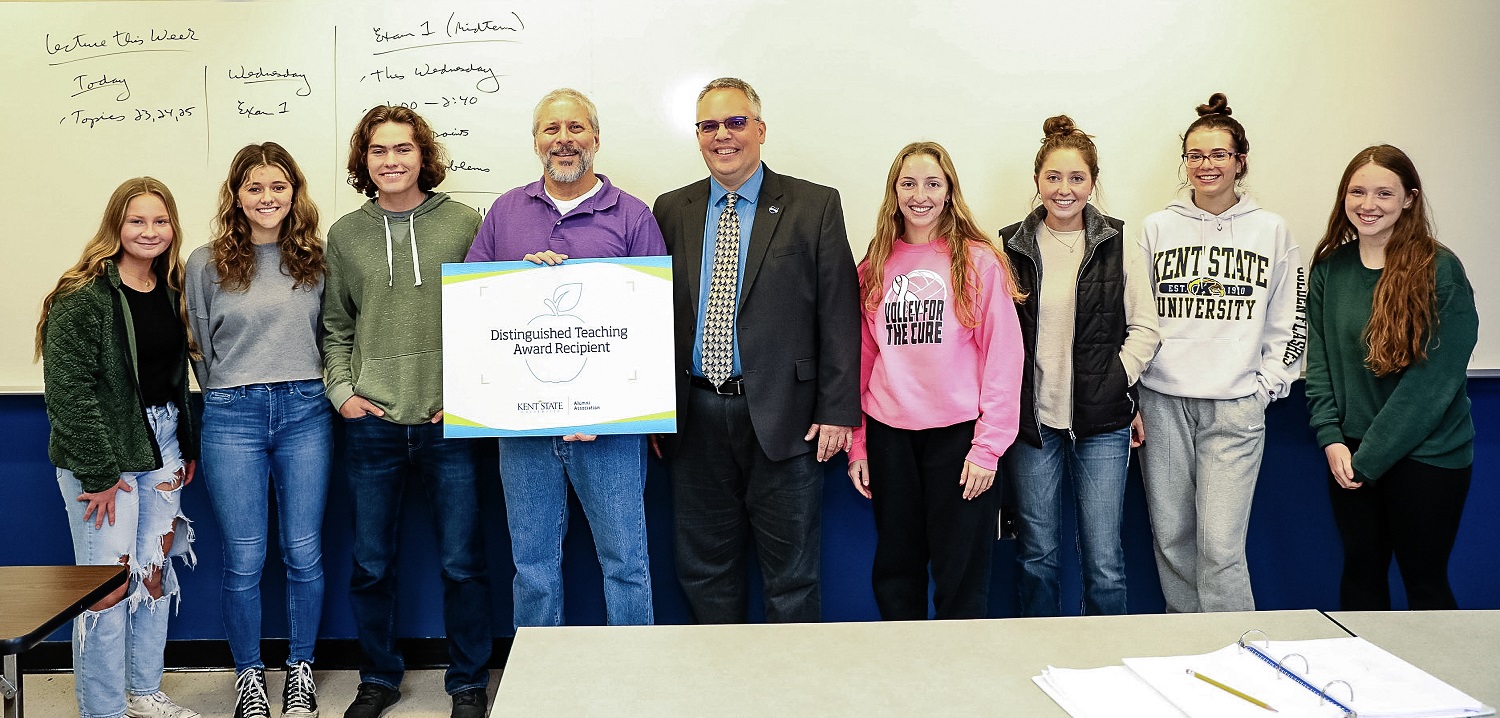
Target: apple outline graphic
[[565, 368]]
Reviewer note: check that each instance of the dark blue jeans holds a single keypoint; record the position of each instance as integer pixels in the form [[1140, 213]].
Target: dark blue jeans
[[381, 458]]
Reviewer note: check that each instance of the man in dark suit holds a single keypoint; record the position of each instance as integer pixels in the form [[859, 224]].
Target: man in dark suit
[[767, 314]]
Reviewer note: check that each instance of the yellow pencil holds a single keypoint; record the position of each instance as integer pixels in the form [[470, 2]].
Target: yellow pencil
[[1231, 691]]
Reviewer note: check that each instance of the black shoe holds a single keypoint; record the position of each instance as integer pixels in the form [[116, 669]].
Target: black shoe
[[372, 700], [251, 687], [470, 703], [299, 698]]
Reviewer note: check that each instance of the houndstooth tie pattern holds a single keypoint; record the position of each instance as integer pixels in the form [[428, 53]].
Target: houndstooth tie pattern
[[723, 288]]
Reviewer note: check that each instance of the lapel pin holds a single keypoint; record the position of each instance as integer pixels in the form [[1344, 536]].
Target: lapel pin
[[773, 209]]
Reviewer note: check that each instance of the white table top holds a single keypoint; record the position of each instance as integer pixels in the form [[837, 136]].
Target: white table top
[[948, 668], [1460, 647]]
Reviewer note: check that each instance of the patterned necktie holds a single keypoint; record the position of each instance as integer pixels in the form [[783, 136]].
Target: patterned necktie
[[723, 286]]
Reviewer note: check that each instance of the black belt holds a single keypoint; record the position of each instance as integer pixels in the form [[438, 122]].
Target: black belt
[[733, 386]]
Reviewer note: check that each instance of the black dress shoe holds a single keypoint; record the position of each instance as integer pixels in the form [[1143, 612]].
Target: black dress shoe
[[372, 700], [469, 703]]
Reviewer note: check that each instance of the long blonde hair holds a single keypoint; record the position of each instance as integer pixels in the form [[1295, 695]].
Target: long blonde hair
[[105, 246], [955, 225], [301, 248]]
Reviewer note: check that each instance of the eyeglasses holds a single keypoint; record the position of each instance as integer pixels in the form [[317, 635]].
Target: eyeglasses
[[738, 123], [1218, 156]]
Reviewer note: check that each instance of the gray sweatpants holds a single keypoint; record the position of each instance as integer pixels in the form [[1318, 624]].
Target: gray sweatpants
[[1199, 463]]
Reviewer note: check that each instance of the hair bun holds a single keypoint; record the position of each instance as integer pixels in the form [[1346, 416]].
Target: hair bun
[[1218, 104], [1058, 126]]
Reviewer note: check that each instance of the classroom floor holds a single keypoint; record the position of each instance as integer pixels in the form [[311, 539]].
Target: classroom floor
[[49, 695]]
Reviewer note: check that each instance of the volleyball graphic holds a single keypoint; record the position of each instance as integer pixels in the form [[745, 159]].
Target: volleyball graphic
[[917, 285]]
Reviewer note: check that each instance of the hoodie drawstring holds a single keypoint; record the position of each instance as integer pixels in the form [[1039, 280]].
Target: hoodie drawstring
[[416, 262], [390, 271]]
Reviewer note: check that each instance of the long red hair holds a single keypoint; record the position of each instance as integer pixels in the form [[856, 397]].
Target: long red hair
[[1403, 316]]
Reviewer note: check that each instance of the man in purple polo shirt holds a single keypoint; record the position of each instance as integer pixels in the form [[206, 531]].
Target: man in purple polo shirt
[[572, 212]]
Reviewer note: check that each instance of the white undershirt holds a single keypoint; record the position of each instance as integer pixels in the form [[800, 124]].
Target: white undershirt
[[565, 206]]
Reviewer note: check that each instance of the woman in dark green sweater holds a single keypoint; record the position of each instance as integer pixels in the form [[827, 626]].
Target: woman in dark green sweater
[[114, 344], [1391, 326]]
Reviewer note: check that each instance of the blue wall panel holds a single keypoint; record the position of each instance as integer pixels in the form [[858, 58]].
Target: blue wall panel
[[1294, 549]]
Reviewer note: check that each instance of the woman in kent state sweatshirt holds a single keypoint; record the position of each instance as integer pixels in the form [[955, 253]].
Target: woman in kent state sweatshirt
[[1229, 288], [940, 376], [1392, 324]]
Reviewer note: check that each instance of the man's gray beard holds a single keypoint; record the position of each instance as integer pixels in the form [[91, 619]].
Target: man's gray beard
[[585, 163]]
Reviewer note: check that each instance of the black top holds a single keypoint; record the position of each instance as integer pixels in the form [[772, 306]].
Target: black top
[[158, 343]]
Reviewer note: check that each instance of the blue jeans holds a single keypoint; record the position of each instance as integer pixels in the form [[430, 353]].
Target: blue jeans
[[609, 476], [381, 458], [256, 438], [119, 649], [1097, 465]]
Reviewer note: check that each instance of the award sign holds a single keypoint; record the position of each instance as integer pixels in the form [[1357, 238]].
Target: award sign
[[536, 350]]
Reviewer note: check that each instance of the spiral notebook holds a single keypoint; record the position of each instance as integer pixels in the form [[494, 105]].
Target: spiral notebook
[[1324, 678]]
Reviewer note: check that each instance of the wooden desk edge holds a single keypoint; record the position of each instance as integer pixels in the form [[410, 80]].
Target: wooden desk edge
[[26, 642]]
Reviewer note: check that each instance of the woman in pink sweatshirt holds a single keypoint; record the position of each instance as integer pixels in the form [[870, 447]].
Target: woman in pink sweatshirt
[[940, 378]]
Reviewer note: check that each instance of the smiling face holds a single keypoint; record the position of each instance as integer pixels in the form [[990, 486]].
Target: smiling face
[[1213, 182], [395, 165], [266, 198], [921, 195], [732, 157], [1064, 184], [1374, 200], [566, 142], [146, 234]]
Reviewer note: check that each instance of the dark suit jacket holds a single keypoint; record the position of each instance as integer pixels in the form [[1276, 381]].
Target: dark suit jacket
[[799, 308]]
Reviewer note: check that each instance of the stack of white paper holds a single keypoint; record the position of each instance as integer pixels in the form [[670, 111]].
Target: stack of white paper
[[1379, 685]]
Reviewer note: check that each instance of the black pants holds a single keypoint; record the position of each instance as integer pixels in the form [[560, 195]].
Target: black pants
[[1411, 511], [725, 490], [921, 518]]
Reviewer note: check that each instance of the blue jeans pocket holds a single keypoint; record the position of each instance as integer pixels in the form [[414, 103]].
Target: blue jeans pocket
[[221, 397], [310, 389]]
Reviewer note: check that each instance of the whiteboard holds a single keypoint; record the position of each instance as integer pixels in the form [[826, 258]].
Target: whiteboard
[[113, 90]]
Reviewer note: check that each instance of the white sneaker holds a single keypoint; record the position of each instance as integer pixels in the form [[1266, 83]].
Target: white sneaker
[[156, 705]]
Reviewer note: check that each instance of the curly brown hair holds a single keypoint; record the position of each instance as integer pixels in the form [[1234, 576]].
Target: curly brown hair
[[301, 247], [1404, 310], [434, 157]]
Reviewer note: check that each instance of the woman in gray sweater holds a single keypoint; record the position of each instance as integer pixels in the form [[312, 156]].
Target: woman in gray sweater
[[255, 297]]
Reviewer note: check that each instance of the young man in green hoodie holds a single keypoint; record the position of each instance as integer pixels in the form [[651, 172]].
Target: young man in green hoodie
[[383, 364]]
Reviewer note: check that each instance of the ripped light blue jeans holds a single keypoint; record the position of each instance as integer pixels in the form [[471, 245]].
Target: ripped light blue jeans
[[119, 649]]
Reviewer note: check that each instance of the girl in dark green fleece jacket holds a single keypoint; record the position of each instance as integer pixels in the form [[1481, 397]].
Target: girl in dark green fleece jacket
[[1391, 326], [114, 345]]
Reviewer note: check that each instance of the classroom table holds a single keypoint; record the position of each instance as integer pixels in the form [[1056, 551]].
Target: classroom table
[[948, 668], [37, 600], [1459, 647]]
